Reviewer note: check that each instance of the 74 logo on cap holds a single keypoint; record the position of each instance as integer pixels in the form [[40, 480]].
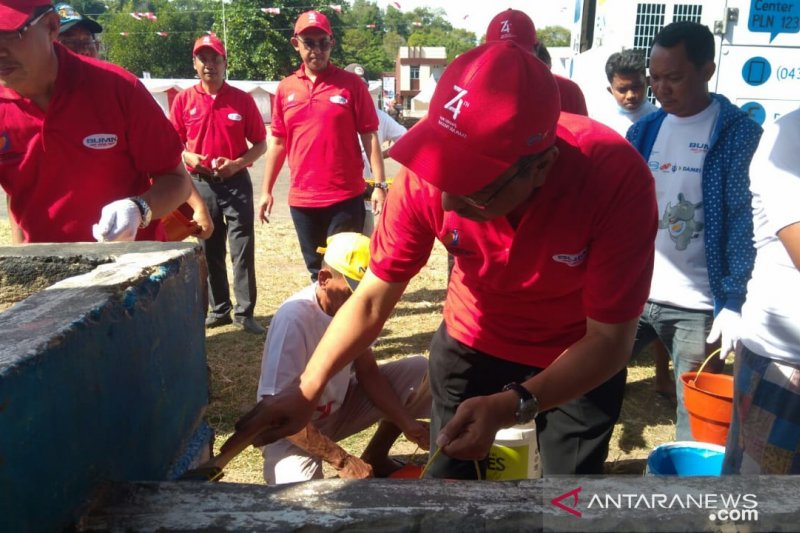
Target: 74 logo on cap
[[455, 104]]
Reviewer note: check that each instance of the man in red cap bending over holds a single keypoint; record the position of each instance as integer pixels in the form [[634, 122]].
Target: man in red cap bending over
[[320, 112], [514, 25], [85, 151], [551, 221]]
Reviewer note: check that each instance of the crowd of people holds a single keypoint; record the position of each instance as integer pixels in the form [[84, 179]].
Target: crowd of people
[[577, 241]]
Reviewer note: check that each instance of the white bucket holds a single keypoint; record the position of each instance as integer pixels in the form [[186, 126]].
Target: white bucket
[[515, 454]]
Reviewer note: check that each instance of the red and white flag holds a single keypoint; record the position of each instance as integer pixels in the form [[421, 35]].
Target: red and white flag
[[417, 23], [336, 7], [371, 26], [137, 16], [124, 33], [397, 5], [162, 33], [271, 10]]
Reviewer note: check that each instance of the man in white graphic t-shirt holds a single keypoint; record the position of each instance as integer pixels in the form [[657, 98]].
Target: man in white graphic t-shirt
[[698, 147]]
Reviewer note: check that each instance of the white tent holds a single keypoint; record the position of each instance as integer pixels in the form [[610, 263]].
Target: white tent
[[419, 104]]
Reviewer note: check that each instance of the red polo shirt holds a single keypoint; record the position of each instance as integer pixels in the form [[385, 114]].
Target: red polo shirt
[[572, 100], [217, 126], [584, 248], [100, 140], [321, 121]]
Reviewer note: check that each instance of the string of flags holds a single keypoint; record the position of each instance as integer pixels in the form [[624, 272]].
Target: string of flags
[[149, 15]]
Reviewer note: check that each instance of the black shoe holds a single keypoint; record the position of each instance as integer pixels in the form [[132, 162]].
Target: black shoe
[[250, 325], [217, 321]]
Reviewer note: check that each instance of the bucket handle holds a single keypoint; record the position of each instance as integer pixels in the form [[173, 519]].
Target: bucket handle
[[712, 354], [433, 458]]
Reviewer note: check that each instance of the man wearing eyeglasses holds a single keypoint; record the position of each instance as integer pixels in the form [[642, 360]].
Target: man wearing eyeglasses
[[216, 121], [78, 33], [320, 112], [85, 152], [551, 221]]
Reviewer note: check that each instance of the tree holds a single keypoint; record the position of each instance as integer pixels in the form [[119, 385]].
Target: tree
[[554, 36]]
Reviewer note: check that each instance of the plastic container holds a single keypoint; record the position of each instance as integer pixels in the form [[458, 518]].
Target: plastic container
[[685, 458], [408, 471], [709, 401], [515, 454], [178, 224]]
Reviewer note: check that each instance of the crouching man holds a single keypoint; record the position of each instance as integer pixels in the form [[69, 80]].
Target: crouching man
[[359, 395]]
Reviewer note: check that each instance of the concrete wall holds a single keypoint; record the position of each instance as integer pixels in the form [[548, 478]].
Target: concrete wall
[[102, 376]]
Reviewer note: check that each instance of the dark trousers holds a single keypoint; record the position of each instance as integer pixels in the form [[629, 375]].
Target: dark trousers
[[230, 204], [573, 438], [315, 224]]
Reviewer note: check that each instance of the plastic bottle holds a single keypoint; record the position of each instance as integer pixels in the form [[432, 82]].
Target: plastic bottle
[[515, 454]]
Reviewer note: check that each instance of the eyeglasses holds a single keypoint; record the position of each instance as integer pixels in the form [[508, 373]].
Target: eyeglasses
[[10, 37], [323, 44], [80, 45], [523, 169]]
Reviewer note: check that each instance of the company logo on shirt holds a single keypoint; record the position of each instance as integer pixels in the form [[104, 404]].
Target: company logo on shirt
[[667, 167], [451, 238], [572, 260], [100, 141], [698, 148], [235, 116], [338, 99], [290, 98], [193, 111]]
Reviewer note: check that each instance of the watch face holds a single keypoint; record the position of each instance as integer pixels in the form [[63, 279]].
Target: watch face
[[528, 409]]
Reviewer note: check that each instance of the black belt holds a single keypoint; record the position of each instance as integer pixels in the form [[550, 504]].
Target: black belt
[[210, 178]]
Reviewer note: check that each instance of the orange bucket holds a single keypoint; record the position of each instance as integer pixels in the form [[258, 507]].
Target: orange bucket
[[709, 401], [408, 471]]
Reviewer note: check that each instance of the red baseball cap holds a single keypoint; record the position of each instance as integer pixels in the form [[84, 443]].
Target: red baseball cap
[[14, 13], [312, 19], [492, 105], [514, 25], [209, 41]]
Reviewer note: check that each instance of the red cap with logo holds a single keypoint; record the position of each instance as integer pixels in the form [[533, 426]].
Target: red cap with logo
[[513, 25], [492, 105], [312, 19], [209, 41], [15, 13]]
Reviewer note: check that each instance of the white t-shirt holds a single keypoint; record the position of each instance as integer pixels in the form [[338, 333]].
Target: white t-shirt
[[388, 130], [771, 313], [294, 333], [620, 119], [680, 275]]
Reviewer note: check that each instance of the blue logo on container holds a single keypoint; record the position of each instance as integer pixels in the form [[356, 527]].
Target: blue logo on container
[[774, 17], [755, 111], [756, 71]]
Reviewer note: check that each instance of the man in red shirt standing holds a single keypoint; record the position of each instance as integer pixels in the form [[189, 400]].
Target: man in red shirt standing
[[319, 113], [517, 26], [551, 220], [215, 121], [85, 151]]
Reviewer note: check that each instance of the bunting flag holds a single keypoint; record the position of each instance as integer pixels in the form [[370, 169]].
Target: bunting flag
[[136, 16], [271, 10], [465, 17], [124, 33], [371, 26], [336, 7], [149, 15], [162, 33], [396, 4], [417, 23]]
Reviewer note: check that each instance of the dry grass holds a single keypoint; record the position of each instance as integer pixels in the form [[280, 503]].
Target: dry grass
[[234, 357]]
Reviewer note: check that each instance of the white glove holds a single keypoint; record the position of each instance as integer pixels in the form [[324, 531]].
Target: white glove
[[726, 324], [119, 221]]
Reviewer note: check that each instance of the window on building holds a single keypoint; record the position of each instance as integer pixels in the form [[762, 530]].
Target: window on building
[[414, 72], [690, 12]]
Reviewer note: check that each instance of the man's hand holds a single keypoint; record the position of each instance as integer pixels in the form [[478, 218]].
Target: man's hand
[[204, 223], [272, 418], [197, 162], [265, 207], [224, 167], [470, 433], [419, 433], [727, 324], [377, 200], [354, 468], [119, 221]]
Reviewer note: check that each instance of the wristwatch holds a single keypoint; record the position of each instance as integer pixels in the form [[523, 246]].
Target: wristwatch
[[382, 185], [144, 210], [528, 404]]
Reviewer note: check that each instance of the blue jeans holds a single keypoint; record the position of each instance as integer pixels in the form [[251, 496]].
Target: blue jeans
[[683, 333], [315, 224]]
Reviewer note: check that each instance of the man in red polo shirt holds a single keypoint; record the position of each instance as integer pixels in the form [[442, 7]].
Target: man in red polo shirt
[[85, 151], [216, 121], [517, 26], [551, 221], [319, 113]]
